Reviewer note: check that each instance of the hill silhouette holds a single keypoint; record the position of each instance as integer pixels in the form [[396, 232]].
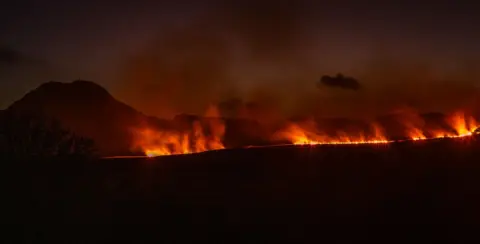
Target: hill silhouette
[[88, 110]]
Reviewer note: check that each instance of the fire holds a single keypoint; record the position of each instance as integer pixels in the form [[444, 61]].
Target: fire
[[202, 136], [298, 135], [207, 134], [461, 126]]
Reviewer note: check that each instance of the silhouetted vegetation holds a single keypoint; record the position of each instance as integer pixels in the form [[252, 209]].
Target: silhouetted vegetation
[[34, 136]]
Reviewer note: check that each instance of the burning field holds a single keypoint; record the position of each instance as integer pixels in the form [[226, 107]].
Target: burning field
[[207, 133], [268, 178]]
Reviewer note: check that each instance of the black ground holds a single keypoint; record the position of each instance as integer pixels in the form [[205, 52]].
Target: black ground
[[398, 193]]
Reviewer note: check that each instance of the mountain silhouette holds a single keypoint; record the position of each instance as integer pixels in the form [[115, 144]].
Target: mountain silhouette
[[87, 109]]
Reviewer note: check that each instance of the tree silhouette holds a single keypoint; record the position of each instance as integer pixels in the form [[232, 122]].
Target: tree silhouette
[[24, 136]]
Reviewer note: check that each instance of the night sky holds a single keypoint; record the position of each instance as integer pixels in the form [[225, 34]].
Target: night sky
[[165, 58]]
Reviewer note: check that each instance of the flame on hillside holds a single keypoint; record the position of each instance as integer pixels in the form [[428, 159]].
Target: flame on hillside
[[207, 134], [202, 136], [461, 126], [300, 135]]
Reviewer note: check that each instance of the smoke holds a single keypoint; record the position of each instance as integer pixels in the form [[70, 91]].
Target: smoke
[[9, 57], [12, 58], [262, 108], [181, 71], [269, 31], [195, 63], [21, 72], [263, 52], [339, 81], [233, 107], [418, 83]]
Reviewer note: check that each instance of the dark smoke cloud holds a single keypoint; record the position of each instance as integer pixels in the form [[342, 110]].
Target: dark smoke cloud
[[339, 81], [231, 107], [14, 62], [21, 72], [10, 57], [262, 108]]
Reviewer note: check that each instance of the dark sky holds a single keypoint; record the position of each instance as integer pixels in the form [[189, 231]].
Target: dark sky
[[169, 57]]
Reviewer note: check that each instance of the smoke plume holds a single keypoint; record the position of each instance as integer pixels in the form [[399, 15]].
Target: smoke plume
[[263, 52], [340, 81], [234, 44]]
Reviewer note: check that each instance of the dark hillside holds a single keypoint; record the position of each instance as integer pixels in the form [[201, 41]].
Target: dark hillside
[[88, 110], [425, 191]]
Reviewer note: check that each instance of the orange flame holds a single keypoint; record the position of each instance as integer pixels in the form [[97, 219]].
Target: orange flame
[[159, 143], [208, 134], [463, 126], [297, 134]]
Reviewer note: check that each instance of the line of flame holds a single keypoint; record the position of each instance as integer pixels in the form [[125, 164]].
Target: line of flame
[[294, 133]]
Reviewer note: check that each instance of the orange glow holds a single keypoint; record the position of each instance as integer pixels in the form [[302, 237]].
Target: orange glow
[[416, 134], [463, 126], [300, 136], [297, 134], [159, 143], [207, 134]]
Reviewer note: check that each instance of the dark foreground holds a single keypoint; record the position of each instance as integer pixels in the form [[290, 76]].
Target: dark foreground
[[427, 191]]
